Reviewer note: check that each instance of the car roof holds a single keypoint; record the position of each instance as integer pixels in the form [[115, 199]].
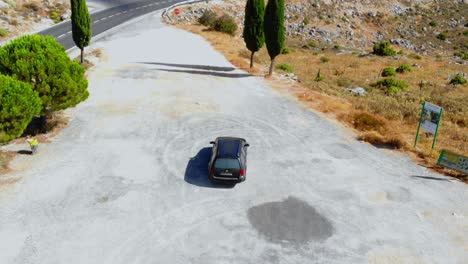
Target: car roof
[[229, 147]]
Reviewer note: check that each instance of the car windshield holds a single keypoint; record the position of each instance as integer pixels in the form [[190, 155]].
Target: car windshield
[[227, 164]]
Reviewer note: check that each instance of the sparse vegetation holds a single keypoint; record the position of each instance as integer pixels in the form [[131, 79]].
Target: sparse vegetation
[[285, 67], [442, 36], [415, 56], [404, 68], [391, 85], [388, 72], [225, 24], [208, 18], [458, 80], [384, 49], [3, 32], [434, 24], [324, 59], [319, 77]]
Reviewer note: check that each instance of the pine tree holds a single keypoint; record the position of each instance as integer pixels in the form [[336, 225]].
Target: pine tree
[[274, 29], [81, 25], [253, 26]]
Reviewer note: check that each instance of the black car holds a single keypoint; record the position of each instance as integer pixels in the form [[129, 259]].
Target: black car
[[228, 161]]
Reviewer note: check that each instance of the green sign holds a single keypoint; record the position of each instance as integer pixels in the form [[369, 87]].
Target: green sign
[[431, 116], [453, 161]]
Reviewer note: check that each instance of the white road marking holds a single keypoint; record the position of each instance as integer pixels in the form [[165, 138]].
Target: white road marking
[[69, 32], [104, 18], [118, 14], [110, 16], [61, 36]]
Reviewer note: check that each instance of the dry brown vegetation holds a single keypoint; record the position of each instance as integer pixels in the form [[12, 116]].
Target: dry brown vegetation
[[378, 118]]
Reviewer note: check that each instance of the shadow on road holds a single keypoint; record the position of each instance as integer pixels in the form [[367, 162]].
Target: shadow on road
[[430, 178], [196, 172], [24, 152], [212, 73], [190, 66]]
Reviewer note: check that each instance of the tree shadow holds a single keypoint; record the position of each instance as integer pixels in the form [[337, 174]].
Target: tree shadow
[[430, 178], [196, 172], [190, 66], [212, 73]]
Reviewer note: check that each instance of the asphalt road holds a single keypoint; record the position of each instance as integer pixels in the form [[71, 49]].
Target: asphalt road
[[108, 18]]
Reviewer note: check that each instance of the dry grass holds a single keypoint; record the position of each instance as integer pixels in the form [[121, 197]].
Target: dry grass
[[379, 119], [5, 158]]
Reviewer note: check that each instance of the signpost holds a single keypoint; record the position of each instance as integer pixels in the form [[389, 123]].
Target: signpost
[[431, 116], [453, 161]]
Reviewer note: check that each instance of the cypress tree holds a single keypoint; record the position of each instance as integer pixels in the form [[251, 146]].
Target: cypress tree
[[274, 29], [253, 26], [81, 25]]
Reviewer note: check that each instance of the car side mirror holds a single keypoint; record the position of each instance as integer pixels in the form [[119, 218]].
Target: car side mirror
[[212, 142], [247, 145]]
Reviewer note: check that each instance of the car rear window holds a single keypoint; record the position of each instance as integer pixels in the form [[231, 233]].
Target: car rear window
[[227, 164]]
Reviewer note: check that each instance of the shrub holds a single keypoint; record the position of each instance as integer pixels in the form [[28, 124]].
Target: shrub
[[391, 85], [43, 63], [434, 24], [319, 77], [287, 50], [324, 59], [32, 6], [3, 32], [18, 104], [208, 18], [384, 48], [388, 72], [404, 68], [415, 56], [465, 33], [442, 36], [285, 67], [463, 55], [55, 17], [364, 121], [458, 80], [225, 24]]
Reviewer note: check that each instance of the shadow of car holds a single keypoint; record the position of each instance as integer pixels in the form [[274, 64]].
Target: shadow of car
[[196, 172]]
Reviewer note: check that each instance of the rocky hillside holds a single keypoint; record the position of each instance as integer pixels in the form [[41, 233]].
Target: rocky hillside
[[422, 26], [20, 16]]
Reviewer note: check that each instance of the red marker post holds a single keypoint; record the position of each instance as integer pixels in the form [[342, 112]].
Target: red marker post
[[177, 11]]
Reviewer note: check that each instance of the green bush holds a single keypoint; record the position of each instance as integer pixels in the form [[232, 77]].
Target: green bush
[[388, 72], [463, 55], [18, 104], [324, 59], [384, 48], [208, 18], [404, 68], [287, 50], [393, 90], [465, 33], [458, 80], [434, 24], [391, 85], [442, 36], [285, 67], [3, 32], [43, 63], [55, 16], [225, 24]]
